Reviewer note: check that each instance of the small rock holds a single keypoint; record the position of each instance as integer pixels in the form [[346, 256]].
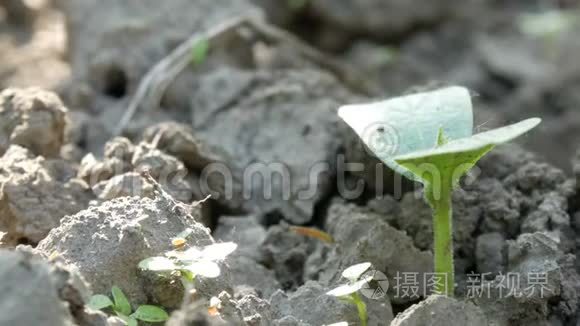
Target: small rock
[[380, 18], [286, 253], [34, 119], [243, 230], [106, 242], [313, 306], [364, 236], [438, 310], [117, 175], [37, 293], [247, 272], [489, 253], [35, 193], [177, 139]]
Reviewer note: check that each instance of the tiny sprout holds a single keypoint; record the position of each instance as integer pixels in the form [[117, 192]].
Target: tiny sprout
[[191, 262], [122, 308], [199, 52], [549, 23], [349, 292], [436, 148]]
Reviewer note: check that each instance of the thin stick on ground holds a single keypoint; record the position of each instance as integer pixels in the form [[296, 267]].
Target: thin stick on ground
[[183, 208], [155, 82]]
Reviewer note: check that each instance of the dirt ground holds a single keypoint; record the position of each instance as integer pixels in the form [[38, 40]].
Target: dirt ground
[[242, 142]]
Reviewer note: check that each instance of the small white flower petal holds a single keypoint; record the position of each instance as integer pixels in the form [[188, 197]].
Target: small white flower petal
[[355, 271], [350, 288], [157, 264], [342, 290], [204, 268], [218, 251], [190, 254]]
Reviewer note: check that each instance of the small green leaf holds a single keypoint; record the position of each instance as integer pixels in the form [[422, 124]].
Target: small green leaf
[[199, 52], [128, 320], [99, 301], [441, 138], [441, 168], [157, 264], [187, 275], [152, 314], [122, 304]]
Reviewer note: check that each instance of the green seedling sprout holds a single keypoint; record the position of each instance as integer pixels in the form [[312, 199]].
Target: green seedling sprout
[[199, 52], [436, 153], [349, 292], [548, 26], [548, 23], [190, 262], [122, 308]]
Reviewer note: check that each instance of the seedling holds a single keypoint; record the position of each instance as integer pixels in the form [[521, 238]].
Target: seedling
[[199, 52], [122, 308], [349, 292], [440, 165], [548, 24], [191, 262]]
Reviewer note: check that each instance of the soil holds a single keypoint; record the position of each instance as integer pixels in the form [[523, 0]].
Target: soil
[[245, 145]]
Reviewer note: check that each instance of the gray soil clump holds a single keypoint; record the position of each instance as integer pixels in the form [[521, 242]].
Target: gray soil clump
[[546, 286], [35, 193], [117, 174], [250, 237], [287, 254], [38, 293], [106, 243], [379, 17], [311, 305], [363, 236], [439, 310], [32, 118], [111, 44], [281, 125]]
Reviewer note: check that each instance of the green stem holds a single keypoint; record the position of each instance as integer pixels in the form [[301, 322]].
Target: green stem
[[443, 244], [361, 307]]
